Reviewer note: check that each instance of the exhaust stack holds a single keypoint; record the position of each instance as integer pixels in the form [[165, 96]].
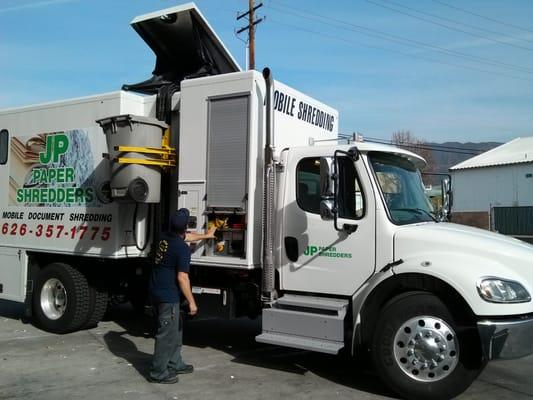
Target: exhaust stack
[[268, 290]]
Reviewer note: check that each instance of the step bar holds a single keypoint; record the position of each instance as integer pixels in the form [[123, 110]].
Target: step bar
[[300, 342], [305, 322]]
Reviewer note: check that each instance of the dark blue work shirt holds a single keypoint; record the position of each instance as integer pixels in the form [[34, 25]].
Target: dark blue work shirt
[[172, 256]]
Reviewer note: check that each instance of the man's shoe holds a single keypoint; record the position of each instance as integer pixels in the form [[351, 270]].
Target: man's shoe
[[186, 369], [172, 378]]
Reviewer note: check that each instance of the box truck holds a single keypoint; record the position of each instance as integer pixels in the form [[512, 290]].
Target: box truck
[[333, 246]]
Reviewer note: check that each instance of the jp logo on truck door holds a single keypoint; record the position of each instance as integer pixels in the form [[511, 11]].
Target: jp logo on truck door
[[328, 251]]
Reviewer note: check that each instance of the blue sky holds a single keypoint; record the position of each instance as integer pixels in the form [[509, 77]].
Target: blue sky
[[382, 69]]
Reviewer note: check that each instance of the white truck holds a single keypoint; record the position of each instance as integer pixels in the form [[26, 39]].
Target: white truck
[[335, 247]]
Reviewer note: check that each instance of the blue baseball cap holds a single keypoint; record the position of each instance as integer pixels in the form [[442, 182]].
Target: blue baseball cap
[[180, 219]]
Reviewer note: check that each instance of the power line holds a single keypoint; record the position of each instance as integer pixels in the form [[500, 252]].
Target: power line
[[353, 42], [443, 25], [462, 23], [394, 38], [483, 16], [386, 49]]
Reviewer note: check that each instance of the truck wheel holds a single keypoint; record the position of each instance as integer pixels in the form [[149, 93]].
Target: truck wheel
[[418, 351], [98, 305], [61, 300]]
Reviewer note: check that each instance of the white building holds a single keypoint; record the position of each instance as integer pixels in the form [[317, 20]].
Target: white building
[[494, 190]]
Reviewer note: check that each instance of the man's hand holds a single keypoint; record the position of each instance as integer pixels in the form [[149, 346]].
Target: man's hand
[[211, 232], [185, 286], [193, 309], [195, 236]]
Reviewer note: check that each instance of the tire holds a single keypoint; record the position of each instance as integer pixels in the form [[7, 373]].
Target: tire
[[418, 351], [98, 305], [61, 299]]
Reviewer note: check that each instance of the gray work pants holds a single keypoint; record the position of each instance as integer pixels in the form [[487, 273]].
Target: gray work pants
[[168, 341]]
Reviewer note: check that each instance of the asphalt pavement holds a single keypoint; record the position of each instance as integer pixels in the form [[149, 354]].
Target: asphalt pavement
[[111, 362]]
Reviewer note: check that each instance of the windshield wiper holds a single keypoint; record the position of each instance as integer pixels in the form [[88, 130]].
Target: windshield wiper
[[417, 210]]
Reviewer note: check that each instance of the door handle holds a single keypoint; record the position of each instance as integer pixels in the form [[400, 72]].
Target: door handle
[[291, 248]]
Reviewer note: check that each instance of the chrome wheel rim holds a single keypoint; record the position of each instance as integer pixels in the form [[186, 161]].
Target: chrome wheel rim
[[426, 348], [53, 299]]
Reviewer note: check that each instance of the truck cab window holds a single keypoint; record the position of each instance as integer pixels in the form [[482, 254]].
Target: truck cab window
[[402, 188], [4, 146], [350, 196], [308, 184]]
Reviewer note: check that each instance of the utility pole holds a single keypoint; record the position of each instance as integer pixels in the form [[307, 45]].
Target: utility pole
[[251, 30]]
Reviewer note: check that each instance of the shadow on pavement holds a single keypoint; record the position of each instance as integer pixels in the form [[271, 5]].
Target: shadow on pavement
[[137, 324], [237, 338], [126, 349]]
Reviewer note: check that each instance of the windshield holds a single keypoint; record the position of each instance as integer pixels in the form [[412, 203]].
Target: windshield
[[402, 187]]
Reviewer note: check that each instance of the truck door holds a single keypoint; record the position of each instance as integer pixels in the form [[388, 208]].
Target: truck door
[[12, 260], [12, 274], [315, 257]]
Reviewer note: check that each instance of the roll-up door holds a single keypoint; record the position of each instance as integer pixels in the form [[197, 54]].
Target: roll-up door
[[227, 163]]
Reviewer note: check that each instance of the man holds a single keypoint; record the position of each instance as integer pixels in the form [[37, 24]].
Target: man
[[170, 275]]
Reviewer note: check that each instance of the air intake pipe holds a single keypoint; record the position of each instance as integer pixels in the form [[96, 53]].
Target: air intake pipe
[[268, 287]]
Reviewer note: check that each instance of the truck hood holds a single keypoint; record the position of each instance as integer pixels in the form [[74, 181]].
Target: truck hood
[[184, 44], [461, 255]]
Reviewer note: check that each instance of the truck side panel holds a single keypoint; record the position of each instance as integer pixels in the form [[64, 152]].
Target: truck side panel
[[55, 180]]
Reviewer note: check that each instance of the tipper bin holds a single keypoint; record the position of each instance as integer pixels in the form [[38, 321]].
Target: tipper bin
[[134, 181]]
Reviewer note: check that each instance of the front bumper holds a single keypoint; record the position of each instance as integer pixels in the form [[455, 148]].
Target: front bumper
[[506, 339]]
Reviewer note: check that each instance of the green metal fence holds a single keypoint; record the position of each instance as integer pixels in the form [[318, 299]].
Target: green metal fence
[[513, 220]]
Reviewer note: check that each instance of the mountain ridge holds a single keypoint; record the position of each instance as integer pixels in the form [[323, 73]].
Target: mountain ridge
[[448, 154]]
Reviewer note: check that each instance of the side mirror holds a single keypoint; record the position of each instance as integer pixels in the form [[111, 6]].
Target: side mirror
[[327, 178], [327, 210], [447, 198], [353, 153], [329, 187]]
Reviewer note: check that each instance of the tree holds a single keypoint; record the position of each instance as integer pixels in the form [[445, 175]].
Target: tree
[[405, 139], [408, 141]]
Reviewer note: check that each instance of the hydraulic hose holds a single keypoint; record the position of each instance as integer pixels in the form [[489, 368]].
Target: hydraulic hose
[[148, 224]]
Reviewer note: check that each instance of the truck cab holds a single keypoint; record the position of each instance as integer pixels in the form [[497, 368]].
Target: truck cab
[[432, 301]]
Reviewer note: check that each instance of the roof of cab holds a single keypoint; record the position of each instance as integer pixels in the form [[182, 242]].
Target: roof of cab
[[366, 147]]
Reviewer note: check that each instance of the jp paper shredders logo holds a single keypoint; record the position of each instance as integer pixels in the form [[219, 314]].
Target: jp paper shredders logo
[[52, 169], [329, 251]]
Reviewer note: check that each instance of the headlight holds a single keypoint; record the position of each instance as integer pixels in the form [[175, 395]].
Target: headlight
[[497, 290]]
